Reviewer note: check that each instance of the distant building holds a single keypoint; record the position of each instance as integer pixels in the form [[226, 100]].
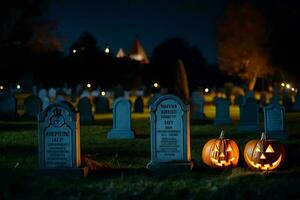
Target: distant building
[[121, 53], [137, 52]]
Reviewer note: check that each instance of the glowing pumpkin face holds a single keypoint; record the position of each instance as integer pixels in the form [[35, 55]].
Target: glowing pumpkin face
[[264, 155], [220, 153]]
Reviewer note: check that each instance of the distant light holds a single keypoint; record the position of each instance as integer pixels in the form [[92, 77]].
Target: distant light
[[74, 50], [282, 84], [156, 85], [206, 90], [1, 87], [106, 50], [18, 86], [103, 93], [288, 86], [293, 89], [88, 85]]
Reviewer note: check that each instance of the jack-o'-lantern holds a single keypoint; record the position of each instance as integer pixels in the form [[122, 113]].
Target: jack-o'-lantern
[[221, 153], [263, 154]]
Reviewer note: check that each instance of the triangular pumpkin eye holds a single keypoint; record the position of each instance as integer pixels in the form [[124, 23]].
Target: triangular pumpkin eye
[[257, 149], [229, 148], [269, 149], [216, 148]]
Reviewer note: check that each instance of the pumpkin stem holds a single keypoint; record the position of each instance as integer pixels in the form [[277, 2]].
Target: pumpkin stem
[[263, 136], [222, 135]]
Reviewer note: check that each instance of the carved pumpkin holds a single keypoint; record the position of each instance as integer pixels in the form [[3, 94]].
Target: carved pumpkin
[[220, 153], [263, 154]]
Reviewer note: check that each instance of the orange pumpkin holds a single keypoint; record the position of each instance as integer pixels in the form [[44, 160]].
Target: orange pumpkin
[[263, 154], [221, 153]]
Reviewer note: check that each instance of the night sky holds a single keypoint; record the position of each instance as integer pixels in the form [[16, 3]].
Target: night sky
[[118, 22]]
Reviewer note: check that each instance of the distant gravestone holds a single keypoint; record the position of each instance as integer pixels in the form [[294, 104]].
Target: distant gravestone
[[8, 106], [59, 140], [84, 94], [127, 94], [239, 100], [274, 119], [52, 93], [101, 104], [121, 120], [43, 96], [32, 107], [249, 116], [170, 135], [197, 106], [85, 110], [95, 93], [222, 112], [249, 94], [60, 98], [138, 105]]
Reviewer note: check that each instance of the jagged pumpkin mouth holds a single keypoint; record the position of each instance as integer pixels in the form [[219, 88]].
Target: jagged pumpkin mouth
[[222, 163], [265, 166]]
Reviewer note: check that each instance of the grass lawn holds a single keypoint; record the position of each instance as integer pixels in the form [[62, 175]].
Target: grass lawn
[[130, 180]]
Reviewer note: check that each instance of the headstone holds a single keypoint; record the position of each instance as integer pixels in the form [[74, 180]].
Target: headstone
[[59, 140], [8, 106], [101, 104], [138, 105], [274, 119], [139, 92], [52, 93], [32, 107], [222, 111], [84, 94], [43, 96], [60, 98], [95, 93], [121, 120], [249, 116], [239, 100], [197, 106], [249, 94], [170, 135], [127, 94], [85, 110]]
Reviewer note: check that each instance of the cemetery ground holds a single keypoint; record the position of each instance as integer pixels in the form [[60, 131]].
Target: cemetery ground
[[128, 178]]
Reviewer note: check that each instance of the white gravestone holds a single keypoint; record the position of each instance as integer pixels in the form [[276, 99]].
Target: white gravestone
[[222, 111], [274, 122], [170, 135], [121, 120], [59, 140]]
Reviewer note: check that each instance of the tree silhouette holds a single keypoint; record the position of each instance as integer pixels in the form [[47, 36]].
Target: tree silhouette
[[181, 83], [165, 57], [242, 42]]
